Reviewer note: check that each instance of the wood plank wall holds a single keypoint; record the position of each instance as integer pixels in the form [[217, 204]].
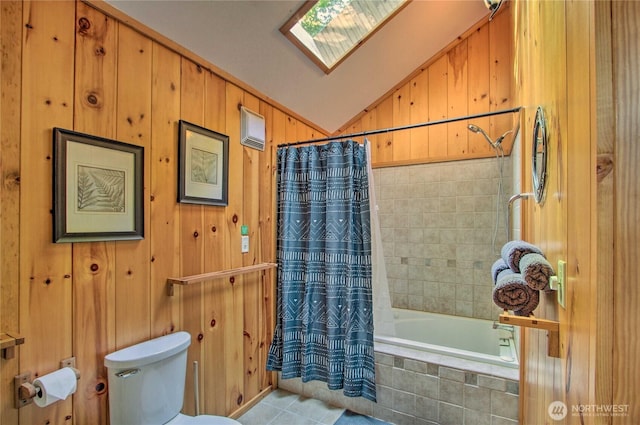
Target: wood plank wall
[[625, 228], [544, 37], [88, 299], [579, 60], [602, 299], [10, 115], [472, 75], [66, 64]]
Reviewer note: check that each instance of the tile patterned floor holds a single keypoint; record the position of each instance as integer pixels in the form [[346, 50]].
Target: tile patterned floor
[[281, 407]]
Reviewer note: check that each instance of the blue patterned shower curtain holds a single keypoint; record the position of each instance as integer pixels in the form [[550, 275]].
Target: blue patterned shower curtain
[[324, 328]]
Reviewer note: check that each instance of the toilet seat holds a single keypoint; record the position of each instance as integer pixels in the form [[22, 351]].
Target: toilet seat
[[201, 420]]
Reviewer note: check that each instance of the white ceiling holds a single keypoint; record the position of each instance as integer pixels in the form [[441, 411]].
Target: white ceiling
[[242, 38]]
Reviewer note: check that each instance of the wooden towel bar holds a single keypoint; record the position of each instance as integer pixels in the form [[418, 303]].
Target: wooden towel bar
[[188, 280]]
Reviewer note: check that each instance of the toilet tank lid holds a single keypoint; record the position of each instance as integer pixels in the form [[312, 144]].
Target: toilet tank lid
[[149, 351]]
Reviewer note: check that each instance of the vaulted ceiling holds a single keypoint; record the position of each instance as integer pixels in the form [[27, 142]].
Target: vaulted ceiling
[[242, 38]]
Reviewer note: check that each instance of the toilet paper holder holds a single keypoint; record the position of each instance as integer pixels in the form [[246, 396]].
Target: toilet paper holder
[[25, 391]]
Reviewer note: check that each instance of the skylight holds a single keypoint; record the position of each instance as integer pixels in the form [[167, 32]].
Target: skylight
[[328, 31]]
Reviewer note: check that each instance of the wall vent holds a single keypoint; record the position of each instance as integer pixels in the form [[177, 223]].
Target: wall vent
[[252, 133]]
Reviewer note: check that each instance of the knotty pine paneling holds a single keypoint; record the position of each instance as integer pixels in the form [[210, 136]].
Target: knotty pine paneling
[[382, 151], [457, 99], [479, 86], [574, 223], [233, 351], [290, 129], [402, 117], [267, 236], [581, 182], [133, 125], [602, 298], [438, 107], [94, 263], [10, 87], [213, 365], [473, 75], [45, 281], [88, 299], [370, 123], [590, 217], [164, 229], [192, 231], [419, 87], [251, 281], [541, 375], [501, 66], [626, 65]]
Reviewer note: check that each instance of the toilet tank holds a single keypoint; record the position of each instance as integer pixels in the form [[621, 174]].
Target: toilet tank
[[146, 380]]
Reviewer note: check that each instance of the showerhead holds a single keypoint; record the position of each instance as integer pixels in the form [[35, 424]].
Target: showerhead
[[474, 128], [493, 6], [499, 140]]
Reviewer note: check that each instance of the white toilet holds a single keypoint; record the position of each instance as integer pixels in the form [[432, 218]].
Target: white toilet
[[146, 384]]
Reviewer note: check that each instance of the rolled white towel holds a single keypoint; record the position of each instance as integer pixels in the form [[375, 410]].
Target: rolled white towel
[[536, 271], [513, 251], [498, 266], [511, 292]]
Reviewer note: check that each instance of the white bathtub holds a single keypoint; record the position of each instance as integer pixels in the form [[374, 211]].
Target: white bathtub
[[460, 342]]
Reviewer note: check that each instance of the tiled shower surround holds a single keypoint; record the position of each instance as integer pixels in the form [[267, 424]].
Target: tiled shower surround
[[437, 223], [413, 392]]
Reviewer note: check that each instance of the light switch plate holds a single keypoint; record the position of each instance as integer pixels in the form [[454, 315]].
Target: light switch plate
[[245, 244], [562, 282]]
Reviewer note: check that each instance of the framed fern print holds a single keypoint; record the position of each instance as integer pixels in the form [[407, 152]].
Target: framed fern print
[[97, 188], [203, 165]]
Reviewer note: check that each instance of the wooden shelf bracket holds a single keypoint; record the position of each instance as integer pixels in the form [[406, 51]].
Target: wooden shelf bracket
[[189, 280], [552, 327], [8, 343]]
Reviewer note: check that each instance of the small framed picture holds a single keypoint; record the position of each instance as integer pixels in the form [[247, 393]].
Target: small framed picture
[[97, 188], [203, 165]]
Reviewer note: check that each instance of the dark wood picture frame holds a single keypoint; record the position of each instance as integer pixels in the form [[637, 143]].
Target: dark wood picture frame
[[203, 165], [97, 188]]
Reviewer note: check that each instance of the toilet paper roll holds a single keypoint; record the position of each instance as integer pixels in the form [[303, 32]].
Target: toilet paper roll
[[55, 386]]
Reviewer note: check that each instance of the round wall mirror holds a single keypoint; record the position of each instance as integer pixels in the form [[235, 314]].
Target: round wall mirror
[[539, 156]]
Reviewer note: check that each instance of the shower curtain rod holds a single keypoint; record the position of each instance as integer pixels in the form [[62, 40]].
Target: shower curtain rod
[[404, 127]]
